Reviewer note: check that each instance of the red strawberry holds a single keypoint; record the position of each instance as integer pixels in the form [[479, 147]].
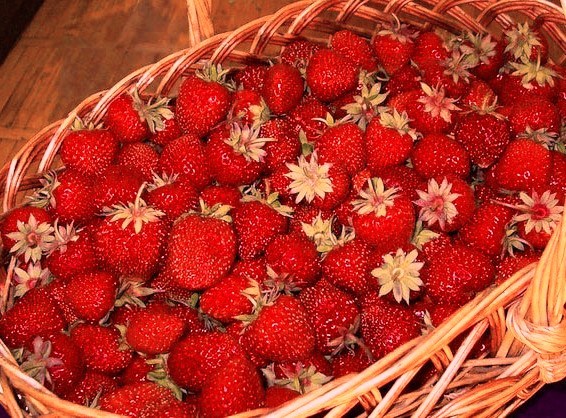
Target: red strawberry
[[479, 95], [89, 151], [557, 182], [234, 388], [132, 399], [529, 80], [455, 274], [255, 269], [507, 267], [101, 349], [27, 233], [136, 372], [451, 74], [484, 135], [68, 196], [172, 409], [115, 185], [170, 131], [386, 326], [307, 117], [73, 252], [196, 357], [299, 53], [92, 295], [342, 144], [348, 267], [152, 332], [393, 46], [54, 361], [203, 101], [429, 50], [185, 156], [389, 140], [524, 166], [286, 146], [307, 214], [251, 77], [486, 229], [282, 88], [276, 396], [256, 223], [382, 217], [536, 113], [295, 255], [329, 75], [249, 107], [348, 362], [201, 250], [294, 339], [130, 119], [404, 179], [332, 314], [449, 203], [355, 48], [235, 154], [225, 300], [429, 110], [172, 195], [56, 291], [405, 78], [139, 156], [223, 195], [483, 54], [35, 313], [437, 154], [130, 240], [93, 384]]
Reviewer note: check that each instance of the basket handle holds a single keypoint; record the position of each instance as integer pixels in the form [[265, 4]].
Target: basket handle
[[200, 21]]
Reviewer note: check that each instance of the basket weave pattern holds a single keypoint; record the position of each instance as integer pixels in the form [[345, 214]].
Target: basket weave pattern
[[524, 316]]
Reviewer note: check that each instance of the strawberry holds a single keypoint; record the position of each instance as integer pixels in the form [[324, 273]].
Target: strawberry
[[349, 362], [522, 41], [507, 267], [170, 131], [389, 140], [88, 151], [27, 233], [256, 222], [28, 276], [151, 332], [487, 228], [172, 409], [557, 183], [483, 54], [386, 326], [329, 75], [171, 195], [455, 274], [449, 203], [535, 113], [232, 389], [33, 314], [451, 74], [136, 372], [437, 154], [282, 331], [348, 267], [73, 252], [54, 361], [68, 196], [524, 166], [141, 236], [323, 185], [235, 154], [484, 135], [276, 396], [393, 46], [479, 95], [407, 181], [225, 300], [299, 53], [185, 156], [100, 348], [285, 146], [307, 214], [130, 119], [196, 357], [428, 108], [223, 195], [251, 77], [332, 314], [92, 295], [130, 400], [307, 117], [382, 217], [282, 88], [405, 78], [201, 249], [342, 144], [249, 107], [115, 185], [303, 376], [56, 291], [93, 384], [530, 79], [354, 48], [295, 255], [139, 156], [203, 101], [429, 50]]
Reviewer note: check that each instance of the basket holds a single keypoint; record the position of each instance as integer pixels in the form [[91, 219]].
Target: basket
[[523, 316]]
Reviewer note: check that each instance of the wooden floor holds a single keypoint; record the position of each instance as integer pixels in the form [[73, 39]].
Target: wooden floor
[[74, 48]]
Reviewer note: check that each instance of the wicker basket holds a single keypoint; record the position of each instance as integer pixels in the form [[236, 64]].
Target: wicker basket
[[523, 316]]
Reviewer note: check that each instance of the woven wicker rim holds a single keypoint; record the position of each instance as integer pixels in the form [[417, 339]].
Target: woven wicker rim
[[524, 315]]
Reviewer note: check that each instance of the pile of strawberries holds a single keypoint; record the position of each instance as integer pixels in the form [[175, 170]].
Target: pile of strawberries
[[277, 226]]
